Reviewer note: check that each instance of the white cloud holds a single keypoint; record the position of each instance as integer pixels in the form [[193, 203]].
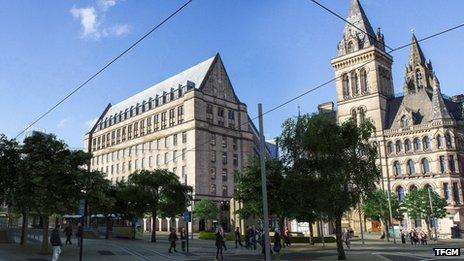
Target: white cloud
[[88, 19], [92, 17], [91, 122], [62, 123]]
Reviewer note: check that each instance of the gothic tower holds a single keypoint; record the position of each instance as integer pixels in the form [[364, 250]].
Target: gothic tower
[[363, 71]]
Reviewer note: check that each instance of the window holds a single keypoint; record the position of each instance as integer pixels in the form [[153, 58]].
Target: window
[[448, 140], [150, 161], [224, 191], [220, 112], [349, 47], [439, 141], [136, 164], [411, 168], [446, 190], [213, 155], [212, 189], [184, 152], [451, 164], [180, 114], [174, 139], [166, 144], [129, 165], [417, 144], [425, 166], [184, 172], [158, 161], [224, 141], [442, 164], [123, 167], [363, 74], [235, 160], [456, 193], [166, 155], [163, 120], [426, 143], [390, 147], [142, 127], [142, 163], [224, 158], [224, 174], [174, 156], [407, 145], [231, 115], [412, 187], [398, 146], [346, 85], [129, 132], [234, 143], [404, 121], [171, 117], [123, 133], [400, 193], [419, 77], [362, 115], [353, 116], [156, 122], [354, 83], [397, 169], [209, 108], [184, 137], [213, 139], [136, 129], [149, 124], [212, 173]]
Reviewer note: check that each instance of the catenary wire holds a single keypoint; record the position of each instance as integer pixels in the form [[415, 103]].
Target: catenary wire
[[103, 68]]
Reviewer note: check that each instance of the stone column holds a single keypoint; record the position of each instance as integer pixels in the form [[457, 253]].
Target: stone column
[[160, 224], [169, 223], [177, 224]]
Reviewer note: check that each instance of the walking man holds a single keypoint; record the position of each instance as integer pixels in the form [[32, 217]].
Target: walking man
[[55, 240], [238, 238], [68, 233], [183, 238], [172, 240], [219, 243], [79, 233], [347, 238]]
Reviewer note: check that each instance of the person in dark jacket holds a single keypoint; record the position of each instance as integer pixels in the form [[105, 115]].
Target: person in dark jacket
[[68, 233], [219, 243], [183, 238], [238, 237], [79, 233], [55, 240], [277, 241], [172, 240]]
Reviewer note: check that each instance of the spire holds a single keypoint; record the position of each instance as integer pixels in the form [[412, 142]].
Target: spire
[[416, 56], [358, 17], [439, 110]]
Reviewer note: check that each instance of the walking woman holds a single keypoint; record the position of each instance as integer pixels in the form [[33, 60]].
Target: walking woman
[[219, 243]]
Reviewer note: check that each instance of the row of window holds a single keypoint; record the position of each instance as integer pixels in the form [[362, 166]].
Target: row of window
[[220, 116], [418, 144], [143, 163], [425, 166], [355, 83], [174, 170], [139, 128], [224, 174], [223, 141], [212, 190], [224, 158], [146, 105], [400, 191]]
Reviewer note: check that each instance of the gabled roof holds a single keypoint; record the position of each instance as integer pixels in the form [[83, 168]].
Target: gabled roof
[[195, 74]]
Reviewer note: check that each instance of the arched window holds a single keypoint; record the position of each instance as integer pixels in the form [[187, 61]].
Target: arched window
[[362, 115], [448, 140], [398, 146], [354, 116], [346, 85], [425, 166], [404, 121], [426, 143], [439, 141], [427, 186], [411, 167], [397, 169], [390, 147], [412, 187], [417, 144], [349, 47], [419, 77], [407, 145], [363, 75], [400, 193], [354, 83]]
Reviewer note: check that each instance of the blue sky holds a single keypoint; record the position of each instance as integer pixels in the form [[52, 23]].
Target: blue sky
[[272, 50]]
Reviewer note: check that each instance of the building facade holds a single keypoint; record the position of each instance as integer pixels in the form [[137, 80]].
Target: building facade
[[420, 133], [192, 124]]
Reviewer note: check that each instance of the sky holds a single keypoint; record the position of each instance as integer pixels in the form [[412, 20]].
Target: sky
[[272, 51]]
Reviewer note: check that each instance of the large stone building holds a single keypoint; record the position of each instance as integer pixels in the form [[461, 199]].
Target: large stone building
[[420, 132], [192, 124]]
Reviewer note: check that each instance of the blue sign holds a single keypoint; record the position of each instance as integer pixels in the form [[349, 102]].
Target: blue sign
[[187, 216], [81, 207]]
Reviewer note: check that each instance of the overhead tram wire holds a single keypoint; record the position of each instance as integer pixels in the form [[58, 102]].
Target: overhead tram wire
[[326, 83], [104, 67], [348, 22]]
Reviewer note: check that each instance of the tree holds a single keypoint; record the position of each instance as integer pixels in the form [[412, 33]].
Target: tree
[[206, 209], [158, 190], [417, 204], [339, 162], [376, 207], [55, 171]]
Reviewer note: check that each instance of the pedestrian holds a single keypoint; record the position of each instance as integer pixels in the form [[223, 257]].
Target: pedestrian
[[423, 238], [238, 237], [219, 243], [416, 237], [403, 237], [223, 238], [347, 238], [287, 237], [277, 242], [183, 238], [68, 233], [55, 240], [79, 233], [172, 240]]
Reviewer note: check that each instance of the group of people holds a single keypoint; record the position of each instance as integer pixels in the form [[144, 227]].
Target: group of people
[[173, 239], [55, 238], [414, 237]]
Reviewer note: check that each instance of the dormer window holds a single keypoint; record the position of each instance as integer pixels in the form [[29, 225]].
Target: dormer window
[[404, 121], [350, 47]]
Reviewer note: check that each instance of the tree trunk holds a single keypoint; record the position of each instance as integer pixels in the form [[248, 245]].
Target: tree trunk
[[311, 234], [385, 228], [429, 230], [153, 229], [44, 247], [338, 233], [23, 240], [107, 223]]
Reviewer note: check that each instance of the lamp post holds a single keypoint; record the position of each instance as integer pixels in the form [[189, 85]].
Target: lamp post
[[432, 216]]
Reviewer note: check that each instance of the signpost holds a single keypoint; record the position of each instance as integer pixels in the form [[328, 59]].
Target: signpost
[[82, 213], [187, 218]]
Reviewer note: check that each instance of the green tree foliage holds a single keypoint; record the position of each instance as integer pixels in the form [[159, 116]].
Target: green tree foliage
[[417, 204], [157, 191], [206, 209], [375, 207], [337, 161]]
